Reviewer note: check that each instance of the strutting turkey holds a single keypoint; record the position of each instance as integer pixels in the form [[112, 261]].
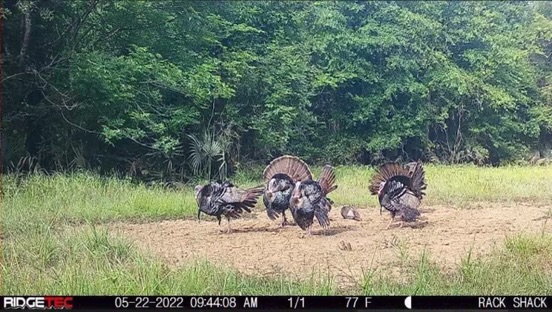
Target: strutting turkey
[[309, 200], [280, 177], [224, 199], [400, 190]]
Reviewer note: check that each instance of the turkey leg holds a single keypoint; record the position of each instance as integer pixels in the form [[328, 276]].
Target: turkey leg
[[390, 221], [220, 230], [284, 220], [229, 230], [307, 233]]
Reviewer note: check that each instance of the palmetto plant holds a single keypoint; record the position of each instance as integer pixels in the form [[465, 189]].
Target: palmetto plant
[[208, 151]]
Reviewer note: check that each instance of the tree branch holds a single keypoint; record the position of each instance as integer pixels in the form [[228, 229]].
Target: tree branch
[[13, 76], [26, 36]]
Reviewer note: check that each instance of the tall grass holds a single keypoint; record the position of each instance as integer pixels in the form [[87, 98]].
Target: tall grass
[[522, 266], [79, 198], [44, 252], [458, 186], [90, 261]]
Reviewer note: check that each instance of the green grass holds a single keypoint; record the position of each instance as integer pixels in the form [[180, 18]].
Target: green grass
[[459, 185], [455, 185], [43, 251], [522, 266], [90, 261]]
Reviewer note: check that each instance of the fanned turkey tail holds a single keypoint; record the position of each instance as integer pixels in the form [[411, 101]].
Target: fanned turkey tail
[[387, 172], [292, 166], [418, 183], [327, 179]]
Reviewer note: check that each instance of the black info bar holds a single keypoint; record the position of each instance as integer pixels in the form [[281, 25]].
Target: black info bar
[[274, 303]]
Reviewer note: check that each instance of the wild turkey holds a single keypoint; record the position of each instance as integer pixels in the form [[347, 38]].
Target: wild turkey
[[411, 166], [400, 190], [309, 200], [350, 212], [224, 199], [280, 177]]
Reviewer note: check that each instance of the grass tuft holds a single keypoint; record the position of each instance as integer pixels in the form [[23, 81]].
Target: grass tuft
[[522, 267]]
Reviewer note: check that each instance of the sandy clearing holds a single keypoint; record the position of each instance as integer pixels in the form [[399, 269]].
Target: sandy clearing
[[257, 246]]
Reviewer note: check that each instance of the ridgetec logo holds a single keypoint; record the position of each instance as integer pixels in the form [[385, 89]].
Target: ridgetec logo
[[50, 302]]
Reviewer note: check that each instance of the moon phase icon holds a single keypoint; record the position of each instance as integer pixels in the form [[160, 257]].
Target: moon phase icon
[[408, 302]]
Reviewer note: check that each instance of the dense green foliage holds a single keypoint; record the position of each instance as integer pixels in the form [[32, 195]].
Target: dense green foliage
[[166, 89]]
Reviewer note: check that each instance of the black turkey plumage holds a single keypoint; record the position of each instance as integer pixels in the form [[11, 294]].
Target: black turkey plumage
[[309, 200], [224, 199], [400, 190], [280, 177]]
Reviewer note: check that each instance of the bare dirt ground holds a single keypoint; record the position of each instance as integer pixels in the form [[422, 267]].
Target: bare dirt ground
[[258, 246]]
